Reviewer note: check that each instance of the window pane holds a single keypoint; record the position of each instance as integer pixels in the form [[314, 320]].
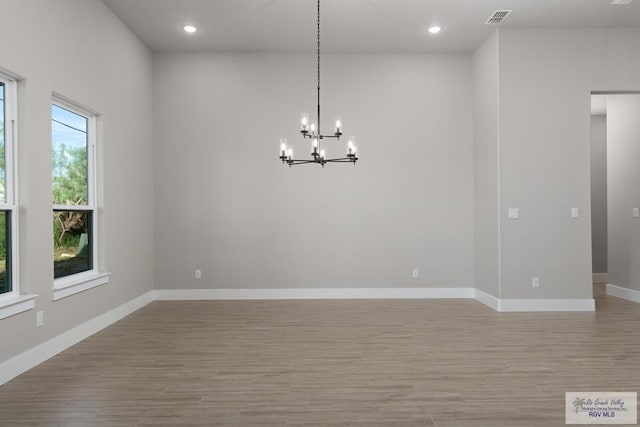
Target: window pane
[[5, 252], [72, 242], [69, 149], [2, 132]]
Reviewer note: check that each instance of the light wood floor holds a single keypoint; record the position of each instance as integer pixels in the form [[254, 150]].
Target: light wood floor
[[354, 362]]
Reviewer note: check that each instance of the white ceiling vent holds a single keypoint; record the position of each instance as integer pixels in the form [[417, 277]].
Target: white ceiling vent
[[620, 1], [498, 16]]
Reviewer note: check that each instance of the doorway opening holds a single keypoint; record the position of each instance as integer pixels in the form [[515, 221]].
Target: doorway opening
[[615, 193]]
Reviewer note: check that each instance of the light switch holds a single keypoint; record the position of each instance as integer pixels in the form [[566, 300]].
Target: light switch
[[635, 213], [575, 213], [514, 213]]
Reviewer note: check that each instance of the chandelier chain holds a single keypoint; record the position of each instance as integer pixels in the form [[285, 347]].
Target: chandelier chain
[[320, 137], [318, 44]]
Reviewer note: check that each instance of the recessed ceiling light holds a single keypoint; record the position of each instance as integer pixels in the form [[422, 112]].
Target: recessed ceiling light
[[435, 29], [189, 29]]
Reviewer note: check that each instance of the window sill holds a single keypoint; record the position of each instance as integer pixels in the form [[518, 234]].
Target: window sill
[[18, 304], [72, 285]]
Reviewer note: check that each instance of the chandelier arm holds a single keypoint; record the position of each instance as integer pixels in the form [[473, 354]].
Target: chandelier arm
[[294, 162], [341, 160]]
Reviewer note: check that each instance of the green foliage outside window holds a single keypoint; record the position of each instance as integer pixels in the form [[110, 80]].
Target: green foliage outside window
[[4, 286], [69, 175], [3, 238]]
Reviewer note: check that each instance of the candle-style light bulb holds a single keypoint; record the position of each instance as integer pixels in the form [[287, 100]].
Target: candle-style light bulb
[[339, 125], [283, 147], [315, 145], [351, 146], [304, 122], [313, 128], [290, 153], [322, 154]]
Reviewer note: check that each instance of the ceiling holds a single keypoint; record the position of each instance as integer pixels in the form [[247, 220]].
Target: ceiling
[[351, 25]]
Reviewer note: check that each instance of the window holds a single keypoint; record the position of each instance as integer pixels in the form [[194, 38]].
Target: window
[[73, 143], [11, 301], [8, 251]]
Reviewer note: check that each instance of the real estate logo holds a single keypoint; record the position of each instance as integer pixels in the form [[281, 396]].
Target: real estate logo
[[601, 408]]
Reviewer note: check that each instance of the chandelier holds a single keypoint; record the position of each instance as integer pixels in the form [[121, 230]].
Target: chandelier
[[312, 131]]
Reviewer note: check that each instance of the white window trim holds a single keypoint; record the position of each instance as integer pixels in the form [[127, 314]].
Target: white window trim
[[12, 303], [76, 283], [70, 285], [16, 304]]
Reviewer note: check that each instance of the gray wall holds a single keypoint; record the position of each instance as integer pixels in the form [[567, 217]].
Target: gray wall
[[225, 204], [599, 193], [79, 49], [623, 140], [486, 166], [546, 77]]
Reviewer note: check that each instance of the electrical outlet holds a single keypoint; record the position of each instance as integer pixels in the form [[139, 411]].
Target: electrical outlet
[[39, 319], [535, 282], [513, 213], [415, 273], [198, 274], [575, 213], [636, 213]]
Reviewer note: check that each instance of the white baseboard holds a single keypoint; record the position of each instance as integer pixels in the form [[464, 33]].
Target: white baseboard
[[625, 293], [521, 305], [312, 293], [502, 305], [38, 354], [600, 277], [517, 305], [486, 299]]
